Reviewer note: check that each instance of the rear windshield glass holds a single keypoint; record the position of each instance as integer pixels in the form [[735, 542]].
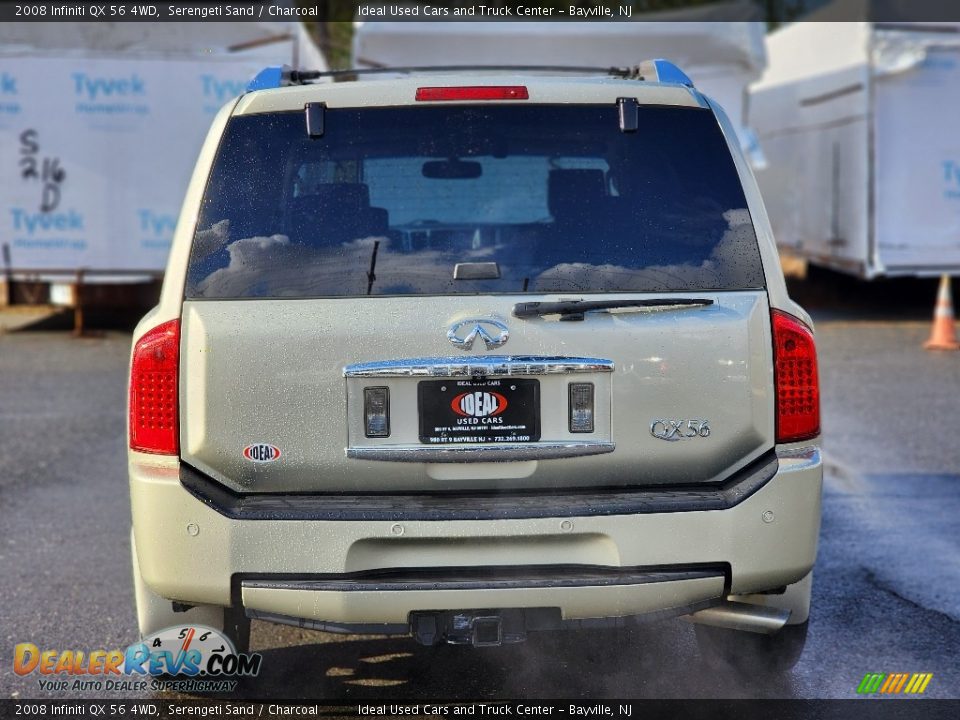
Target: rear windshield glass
[[473, 199]]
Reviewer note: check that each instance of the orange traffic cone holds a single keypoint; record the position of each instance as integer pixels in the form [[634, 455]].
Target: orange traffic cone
[[944, 334]]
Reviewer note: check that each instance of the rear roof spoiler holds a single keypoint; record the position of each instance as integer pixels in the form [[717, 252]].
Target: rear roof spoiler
[[658, 71]]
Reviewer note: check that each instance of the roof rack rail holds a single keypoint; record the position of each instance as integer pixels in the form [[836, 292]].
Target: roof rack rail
[[658, 70]]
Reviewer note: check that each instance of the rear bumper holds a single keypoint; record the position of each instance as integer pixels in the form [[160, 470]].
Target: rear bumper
[[650, 559], [639, 593]]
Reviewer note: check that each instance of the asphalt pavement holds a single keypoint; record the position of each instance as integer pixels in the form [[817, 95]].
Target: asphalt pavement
[[886, 590]]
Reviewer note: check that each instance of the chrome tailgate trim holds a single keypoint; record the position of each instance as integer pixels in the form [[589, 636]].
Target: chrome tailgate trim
[[496, 365], [482, 453]]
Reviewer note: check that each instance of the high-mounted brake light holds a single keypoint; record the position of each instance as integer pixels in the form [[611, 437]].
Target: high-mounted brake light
[[154, 396], [473, 92], [795, 375]]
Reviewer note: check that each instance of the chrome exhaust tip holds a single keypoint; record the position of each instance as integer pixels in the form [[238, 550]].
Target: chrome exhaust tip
[[761, 619]]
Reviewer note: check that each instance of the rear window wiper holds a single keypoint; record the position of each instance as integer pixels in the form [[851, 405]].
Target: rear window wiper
[[574, 309]]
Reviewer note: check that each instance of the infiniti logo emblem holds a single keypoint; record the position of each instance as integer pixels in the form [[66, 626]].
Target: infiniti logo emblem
[[493, 333]]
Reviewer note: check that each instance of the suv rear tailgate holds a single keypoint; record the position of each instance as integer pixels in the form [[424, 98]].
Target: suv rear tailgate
[[273, 372]]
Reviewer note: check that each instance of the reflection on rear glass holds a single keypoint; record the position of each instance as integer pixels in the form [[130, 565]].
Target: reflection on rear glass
[[389, 201]]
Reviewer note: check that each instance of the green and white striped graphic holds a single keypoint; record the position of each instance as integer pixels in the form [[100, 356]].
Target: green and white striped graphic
[[894, 683]]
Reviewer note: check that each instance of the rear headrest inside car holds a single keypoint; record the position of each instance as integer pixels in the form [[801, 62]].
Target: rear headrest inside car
[[352, 197], [569, 191], [336, 212]]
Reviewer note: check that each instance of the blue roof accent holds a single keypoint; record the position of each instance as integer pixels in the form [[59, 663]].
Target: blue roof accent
[[270, 77], [667, 72]]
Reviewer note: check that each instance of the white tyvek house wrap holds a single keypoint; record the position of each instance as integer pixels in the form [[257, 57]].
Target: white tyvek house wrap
[[858, 124], [917, 178], [99, 132]]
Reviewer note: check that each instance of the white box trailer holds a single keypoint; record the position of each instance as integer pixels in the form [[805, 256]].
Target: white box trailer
[[722, 58], [860, 126], [100, 126]]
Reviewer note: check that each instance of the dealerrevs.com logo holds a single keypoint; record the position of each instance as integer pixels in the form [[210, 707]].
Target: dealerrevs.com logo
[[189, 658]]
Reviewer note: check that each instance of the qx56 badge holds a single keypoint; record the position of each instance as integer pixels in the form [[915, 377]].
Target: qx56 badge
[[673, 430]]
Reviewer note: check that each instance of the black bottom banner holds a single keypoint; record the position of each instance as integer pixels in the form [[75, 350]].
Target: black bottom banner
[[885, 709]]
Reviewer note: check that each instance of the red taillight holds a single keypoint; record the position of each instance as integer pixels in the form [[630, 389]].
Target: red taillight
[[473, 92], [795, 375], [154, 398]]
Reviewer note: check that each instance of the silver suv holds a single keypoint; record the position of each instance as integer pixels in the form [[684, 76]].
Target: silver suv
[[467, 355]]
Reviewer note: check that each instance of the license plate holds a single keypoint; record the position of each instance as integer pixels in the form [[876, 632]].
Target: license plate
[[465, 412]]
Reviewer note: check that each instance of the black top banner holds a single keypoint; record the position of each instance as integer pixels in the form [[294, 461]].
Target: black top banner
[[771, 11]]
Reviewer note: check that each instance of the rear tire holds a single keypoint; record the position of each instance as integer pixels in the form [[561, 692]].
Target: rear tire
[[752, 653]]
